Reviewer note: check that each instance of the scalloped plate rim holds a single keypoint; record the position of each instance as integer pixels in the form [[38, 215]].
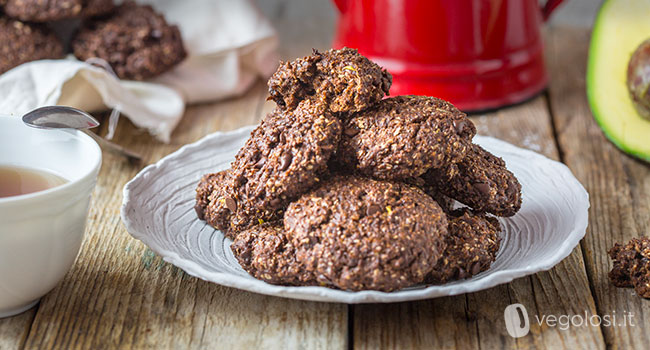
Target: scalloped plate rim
[[314, 293]]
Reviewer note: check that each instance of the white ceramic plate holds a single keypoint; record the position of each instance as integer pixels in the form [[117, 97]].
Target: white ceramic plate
[[158, 209]]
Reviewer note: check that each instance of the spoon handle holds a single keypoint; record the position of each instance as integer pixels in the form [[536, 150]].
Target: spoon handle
[[114, 148]]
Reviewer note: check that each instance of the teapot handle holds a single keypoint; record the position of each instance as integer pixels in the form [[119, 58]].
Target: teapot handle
[[549, 7]]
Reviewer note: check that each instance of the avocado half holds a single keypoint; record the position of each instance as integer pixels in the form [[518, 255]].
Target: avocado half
[[620, 27]]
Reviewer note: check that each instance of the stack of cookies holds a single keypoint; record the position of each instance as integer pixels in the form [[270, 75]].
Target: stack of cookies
[[343, 188], [134, 40]]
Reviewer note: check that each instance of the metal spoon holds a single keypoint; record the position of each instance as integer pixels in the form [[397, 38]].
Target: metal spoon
[[62, 117]]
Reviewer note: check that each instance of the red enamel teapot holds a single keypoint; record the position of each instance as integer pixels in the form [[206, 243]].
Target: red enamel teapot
[[477, 54]]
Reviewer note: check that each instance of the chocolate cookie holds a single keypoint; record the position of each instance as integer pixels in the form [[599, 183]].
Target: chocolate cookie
[[404, 136], [222, 201], [93, 8], [472, 246], [265, 253], [632, 265], [22, 42], [283, 158], [54, 10], [136, 41], [481, 181], [356, 233], [336, 80], [208, 184], [446, 203]]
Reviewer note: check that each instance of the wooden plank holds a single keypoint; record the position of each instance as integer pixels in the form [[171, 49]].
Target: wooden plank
[[120, 294], [619, 186], [476, 320], [445, 323], [14, 330]]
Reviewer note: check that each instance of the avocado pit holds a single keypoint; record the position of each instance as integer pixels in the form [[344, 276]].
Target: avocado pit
[[638, 79]]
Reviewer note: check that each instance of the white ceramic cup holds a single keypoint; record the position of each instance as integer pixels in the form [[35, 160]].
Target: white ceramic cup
[[41, 232]]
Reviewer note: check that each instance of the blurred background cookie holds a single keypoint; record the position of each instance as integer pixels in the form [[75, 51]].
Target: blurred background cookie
[[136, 41], [22, 42], [54, 10]]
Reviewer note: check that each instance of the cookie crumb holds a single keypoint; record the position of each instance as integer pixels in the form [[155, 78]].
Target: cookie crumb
[[632, 266]]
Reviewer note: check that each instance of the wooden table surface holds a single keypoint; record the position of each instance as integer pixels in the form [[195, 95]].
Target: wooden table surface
[[120, 294]]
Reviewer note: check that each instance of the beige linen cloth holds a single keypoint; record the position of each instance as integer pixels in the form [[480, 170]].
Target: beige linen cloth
[[229, 43]]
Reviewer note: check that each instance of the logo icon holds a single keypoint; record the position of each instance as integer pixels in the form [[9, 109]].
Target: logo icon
[[517, 322]]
